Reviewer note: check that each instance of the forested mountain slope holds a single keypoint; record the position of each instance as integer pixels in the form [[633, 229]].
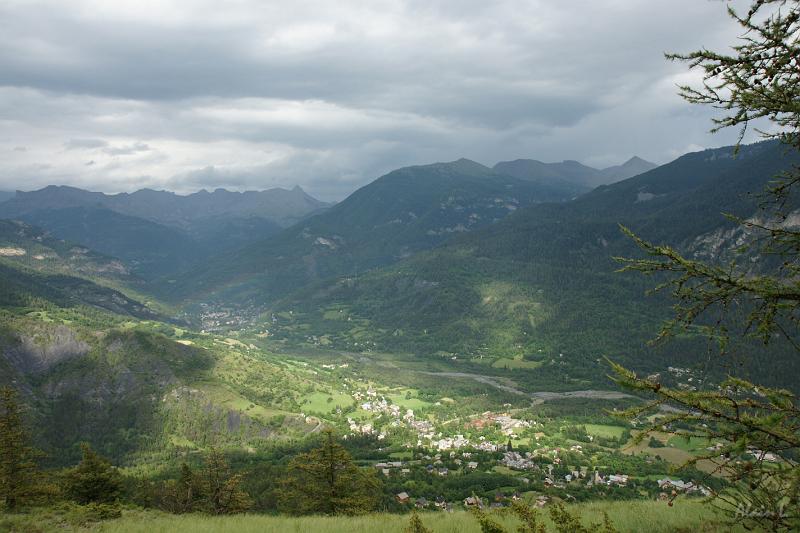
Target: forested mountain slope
[[542, 282], [146, 248], [36, 268], [94, 364], [403, 212], [281, 206], [157, 233]]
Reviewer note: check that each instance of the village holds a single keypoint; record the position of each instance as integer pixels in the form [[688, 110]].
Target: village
[[494, 458]]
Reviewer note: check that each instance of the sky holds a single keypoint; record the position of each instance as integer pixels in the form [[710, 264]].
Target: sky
[[254, 94]]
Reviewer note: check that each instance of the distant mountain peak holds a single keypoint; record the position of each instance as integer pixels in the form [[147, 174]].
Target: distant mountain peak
[[282, 206], [466, 166], [632, 167]]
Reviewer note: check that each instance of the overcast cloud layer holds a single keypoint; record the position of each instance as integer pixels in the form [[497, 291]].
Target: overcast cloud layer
[[115, 96]]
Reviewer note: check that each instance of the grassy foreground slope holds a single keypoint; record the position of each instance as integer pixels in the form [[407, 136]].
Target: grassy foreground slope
[[653, 517]]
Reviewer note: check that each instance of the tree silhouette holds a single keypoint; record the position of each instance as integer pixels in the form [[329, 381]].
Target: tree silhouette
[[18, 469], [94, 480], [223, 492], [758, 427], [326, 481]]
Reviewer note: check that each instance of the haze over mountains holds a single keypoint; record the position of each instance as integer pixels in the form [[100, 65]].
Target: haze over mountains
[[453, 257], [449, 256], [572, 172], [443, 264], [459, 258], [403, 212], [543, 279], [283, 207], [161, 233]]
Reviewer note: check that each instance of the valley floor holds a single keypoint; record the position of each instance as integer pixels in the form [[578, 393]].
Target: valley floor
[[637, 516]]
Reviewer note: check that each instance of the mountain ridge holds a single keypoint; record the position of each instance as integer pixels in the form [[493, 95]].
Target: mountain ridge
[[283, 206], [544, 278], [582, 177], [404, 211]]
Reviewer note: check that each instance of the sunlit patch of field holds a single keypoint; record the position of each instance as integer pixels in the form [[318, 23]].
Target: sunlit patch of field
[[324, 402], [222, 396], [675, 455], [604, 430], [516, 362]]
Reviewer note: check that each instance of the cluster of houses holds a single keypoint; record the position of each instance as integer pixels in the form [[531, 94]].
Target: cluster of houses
[[458, 445], [500, 500], [333, 366], [677, 485], [518, 461], [449, 443], [684, 373], [388, 467], [762, 455], [459, 441], [215, 319], [360, 429], [424, 428], [381, 406], [509, 426], [590, 479], [423, 503], [375, 404], [435, 467]]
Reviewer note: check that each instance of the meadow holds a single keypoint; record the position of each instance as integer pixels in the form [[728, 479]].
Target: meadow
[[637, 516], [632, 516]]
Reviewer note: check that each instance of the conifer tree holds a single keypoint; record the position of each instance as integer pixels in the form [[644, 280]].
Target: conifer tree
[[529, 518], [415, 524], [223, 492], [94, 480], [189, 489], [18, 469], [486, 524], [566, 522], [183, 495], [757, 426], [326, 481]]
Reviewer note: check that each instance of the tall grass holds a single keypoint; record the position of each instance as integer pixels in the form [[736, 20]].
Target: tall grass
[[636, 516]]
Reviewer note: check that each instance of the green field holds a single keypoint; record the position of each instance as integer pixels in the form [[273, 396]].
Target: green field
[[604, 430], [324, 402], [223, 396], [689, 444], [407, 403], [515, 363]]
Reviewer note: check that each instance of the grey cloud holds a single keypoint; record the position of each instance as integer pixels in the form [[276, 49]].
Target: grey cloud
[[332, 95], [82, 144], [127, 149]]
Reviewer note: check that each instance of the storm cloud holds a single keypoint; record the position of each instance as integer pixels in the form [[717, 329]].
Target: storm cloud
[[247, 94]]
